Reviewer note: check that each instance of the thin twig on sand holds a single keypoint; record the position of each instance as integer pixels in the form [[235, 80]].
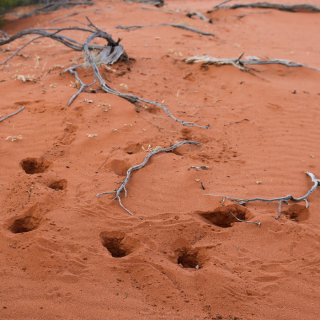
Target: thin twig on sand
[[130, 97], [139, 166], [267, 5], [241, 63], [10, 115], [175, 25], [316, 183]]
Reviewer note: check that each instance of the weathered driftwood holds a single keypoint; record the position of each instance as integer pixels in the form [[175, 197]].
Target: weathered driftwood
[[139, 166], [55, 5], [10, 115], [157, 3], [316, 183], [267, 5], [130, 97], [190, 14], [241, 63], [67, 41], [175, 25]]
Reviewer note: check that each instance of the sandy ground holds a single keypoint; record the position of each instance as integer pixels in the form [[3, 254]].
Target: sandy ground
[[67, 254]]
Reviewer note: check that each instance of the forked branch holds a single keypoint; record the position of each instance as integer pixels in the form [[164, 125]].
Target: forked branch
[[175, 25], [316, 183], [267, 5], [139, 166], [241, 63], [130, 97]]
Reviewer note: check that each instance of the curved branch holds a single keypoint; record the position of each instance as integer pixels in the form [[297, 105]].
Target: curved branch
[[130, 97], [141, 165]]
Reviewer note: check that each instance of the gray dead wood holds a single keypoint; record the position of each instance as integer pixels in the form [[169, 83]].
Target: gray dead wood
[[257, 223], [157, 3], [10, 115], [175, 25], [139, 166], [67, 41], [56, 5], [241, 64], [130, 97], [316, 183], [190, 14], [267, 5]]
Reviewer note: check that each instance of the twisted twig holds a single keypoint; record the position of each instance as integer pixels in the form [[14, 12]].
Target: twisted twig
[[139, 166], [10, 115], [130, 97], [241, 64], [267, 5], [257, 223], [315, 181], [176, 25]]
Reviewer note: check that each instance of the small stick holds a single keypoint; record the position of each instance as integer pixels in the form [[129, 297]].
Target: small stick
[[130, 97], [241, 64], [267, 5], [316, 183], [176, 25], [257, 223], [10, 115], [199, 14], [141, 165]]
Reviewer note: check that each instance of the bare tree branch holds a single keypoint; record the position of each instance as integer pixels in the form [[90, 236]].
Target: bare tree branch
[[316, 183], [241, 64], [10, 115], [267, 5], [139, 166], [176, 25], [130, 97]]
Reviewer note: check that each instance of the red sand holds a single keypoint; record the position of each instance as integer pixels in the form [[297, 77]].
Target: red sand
[[176, 264]]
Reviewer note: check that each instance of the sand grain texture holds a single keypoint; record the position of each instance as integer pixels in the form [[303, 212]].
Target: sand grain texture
[[67, 254]]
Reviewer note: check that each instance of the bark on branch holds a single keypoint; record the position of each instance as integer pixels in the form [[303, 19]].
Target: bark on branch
[[139, 166], [175, 25], [267, 5], [316, 183], [241, 63]]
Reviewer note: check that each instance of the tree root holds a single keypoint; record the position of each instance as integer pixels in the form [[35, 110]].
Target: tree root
[[139, 166], [267, 5], [56, 5], [316, 183], [157, 3], [10, 115], [130, 97], [176, 25], [241, 64], [190, 14]]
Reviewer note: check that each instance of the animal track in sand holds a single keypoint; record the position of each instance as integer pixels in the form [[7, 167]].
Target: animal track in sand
[[26, 222], [221, 216], [297, 212], [118, 243], [190, 258], [59, 185], [35, 165]]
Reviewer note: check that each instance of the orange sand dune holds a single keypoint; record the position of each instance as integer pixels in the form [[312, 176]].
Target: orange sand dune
[[67, 254]]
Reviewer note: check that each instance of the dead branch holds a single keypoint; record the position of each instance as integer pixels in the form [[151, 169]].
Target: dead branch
[[175, 25], [267, 5], [199, 14], [241, 64], [316, 183], [55, 6], [10, 115], [157, 3], [258, 223], [69, 42], [139, 166], [131, 98]]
